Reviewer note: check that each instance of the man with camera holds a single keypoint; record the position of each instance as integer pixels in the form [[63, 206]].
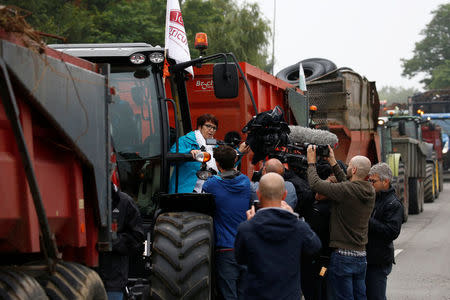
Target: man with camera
[[352, 202], [271, 242], [275, 166], [384, 227], [231, 191]]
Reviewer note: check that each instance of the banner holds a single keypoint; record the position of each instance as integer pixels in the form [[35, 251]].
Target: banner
[[301, 79], [176, 42]]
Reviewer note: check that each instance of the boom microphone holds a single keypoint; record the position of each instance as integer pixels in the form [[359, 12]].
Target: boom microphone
[[304, 135]]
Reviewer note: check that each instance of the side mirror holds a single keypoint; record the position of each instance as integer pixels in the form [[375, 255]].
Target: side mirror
[[225, 80], [402, 128]]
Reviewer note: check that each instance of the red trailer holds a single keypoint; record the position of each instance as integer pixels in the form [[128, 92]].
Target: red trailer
[[233, 114], [53, 167]]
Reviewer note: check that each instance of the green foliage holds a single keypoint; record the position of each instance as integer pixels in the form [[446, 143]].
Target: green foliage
[[242, 31], [230, 28], [396, 94], [441, 76], [431, 55]]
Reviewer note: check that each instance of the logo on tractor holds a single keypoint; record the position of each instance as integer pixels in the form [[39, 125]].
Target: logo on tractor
[[204, 85]]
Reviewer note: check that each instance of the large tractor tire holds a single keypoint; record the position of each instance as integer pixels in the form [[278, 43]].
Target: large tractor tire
[[436, 179], [328, 65], [313, 68], [414, 196], [400, 185], [15, 285], [441, 176], [429, 183], [73, 281], [182, 256]]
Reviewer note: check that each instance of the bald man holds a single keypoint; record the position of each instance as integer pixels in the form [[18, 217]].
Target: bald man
[[273, 165], [352, 202], [271, 242]]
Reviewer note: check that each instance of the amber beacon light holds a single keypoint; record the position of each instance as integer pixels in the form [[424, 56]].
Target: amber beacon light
[[201, 41]]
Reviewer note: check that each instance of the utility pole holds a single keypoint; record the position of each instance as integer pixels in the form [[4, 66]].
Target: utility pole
[[273, 34]]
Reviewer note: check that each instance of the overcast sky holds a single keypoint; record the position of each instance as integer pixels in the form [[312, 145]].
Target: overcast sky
[[368, 36]]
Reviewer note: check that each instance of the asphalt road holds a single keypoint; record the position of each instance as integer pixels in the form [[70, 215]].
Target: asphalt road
[[422, 269]]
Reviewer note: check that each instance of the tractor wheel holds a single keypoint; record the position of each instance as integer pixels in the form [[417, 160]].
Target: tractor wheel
[[401, 188], [312, 70], [436, 179], [73, 281], [17, 285], [429, 184], [441, 176], [182, 256], [327, 64], [421, 194], [414, 197]]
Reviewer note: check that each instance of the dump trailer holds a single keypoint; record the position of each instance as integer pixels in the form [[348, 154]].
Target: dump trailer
[[55, 212], [434, 105], [233, 114], [348, 105], [147, 115], [430, 102]]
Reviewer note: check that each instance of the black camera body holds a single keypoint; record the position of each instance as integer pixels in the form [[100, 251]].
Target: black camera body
[[321, 150], [266, 132]]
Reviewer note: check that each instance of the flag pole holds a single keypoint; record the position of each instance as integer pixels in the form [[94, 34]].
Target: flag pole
[[273, 34]]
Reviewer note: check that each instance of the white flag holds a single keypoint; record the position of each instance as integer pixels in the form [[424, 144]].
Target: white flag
[[176, 40], [301, 79]]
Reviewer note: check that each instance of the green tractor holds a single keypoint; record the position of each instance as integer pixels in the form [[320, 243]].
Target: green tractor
[[404, 149]]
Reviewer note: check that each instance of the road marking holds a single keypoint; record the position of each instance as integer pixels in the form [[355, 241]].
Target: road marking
[[397, 252]]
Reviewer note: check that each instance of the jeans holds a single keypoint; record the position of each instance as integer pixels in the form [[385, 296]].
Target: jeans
[[115, 295], [346, 277], [376, 279], [231, 277]]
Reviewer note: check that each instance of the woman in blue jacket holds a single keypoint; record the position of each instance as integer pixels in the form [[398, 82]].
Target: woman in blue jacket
[[192, 143]]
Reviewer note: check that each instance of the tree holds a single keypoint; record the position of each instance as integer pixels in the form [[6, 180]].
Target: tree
[[242, 31], [441, 76], [230, 28], [394, 94], [432, 54]]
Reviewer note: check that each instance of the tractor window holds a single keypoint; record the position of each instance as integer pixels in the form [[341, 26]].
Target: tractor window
[[410, 130], [136, 135], [134, 115]]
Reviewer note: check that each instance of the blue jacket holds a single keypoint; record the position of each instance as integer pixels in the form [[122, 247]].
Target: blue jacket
[[271, 244], [232, 197], [187, 170]]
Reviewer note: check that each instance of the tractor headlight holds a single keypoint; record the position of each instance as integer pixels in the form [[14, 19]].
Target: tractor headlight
[[137, 58], [156, 57]]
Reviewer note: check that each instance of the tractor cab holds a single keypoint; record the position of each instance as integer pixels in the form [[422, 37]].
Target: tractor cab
[[144, 123]]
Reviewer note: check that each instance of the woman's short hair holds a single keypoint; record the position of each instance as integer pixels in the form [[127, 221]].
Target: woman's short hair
[[201, 120]]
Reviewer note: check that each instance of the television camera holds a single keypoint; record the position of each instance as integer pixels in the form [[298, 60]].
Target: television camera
[[269, 136]]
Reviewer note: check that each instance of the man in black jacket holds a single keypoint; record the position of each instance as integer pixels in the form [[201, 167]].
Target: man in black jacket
[[271, 242], [384, 227], [128, 234]]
